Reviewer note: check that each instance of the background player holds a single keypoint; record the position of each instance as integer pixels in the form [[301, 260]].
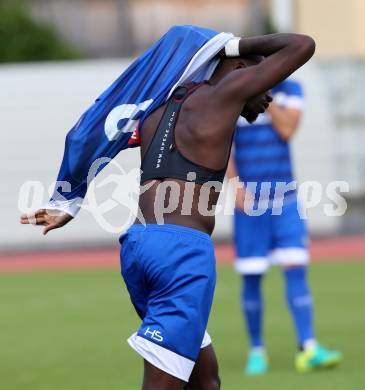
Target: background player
[[262, 155]]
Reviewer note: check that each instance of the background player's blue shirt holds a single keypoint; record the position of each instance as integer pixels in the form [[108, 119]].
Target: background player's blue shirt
[[260, 154]]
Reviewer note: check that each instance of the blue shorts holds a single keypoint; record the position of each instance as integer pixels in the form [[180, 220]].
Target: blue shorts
[[169, 271], [270, 239]]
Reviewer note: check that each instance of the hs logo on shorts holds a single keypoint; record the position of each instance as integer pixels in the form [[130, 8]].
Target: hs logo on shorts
[[153, 334]]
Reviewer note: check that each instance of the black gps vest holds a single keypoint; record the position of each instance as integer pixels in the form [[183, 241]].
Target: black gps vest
[[162, 158]]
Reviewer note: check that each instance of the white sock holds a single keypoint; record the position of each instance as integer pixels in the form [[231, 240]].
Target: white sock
[[309, 344], [260, 349]]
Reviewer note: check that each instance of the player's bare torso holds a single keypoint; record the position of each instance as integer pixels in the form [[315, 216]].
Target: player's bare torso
[[203, 135]]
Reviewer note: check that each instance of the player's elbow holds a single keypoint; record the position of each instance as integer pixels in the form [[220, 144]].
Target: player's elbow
[[285, 136], [309, 44], [286, 132], [306, 45]]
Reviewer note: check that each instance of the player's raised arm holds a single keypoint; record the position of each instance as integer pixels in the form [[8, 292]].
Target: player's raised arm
[[283, 54]]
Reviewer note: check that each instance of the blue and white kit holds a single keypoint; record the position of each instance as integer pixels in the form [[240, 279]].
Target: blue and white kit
[[169, 271], [261, 156]]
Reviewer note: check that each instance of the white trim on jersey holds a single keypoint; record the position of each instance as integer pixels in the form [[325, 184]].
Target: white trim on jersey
[[70, 207], [289, 101], [167, 361], [202, 65], [295, 102]]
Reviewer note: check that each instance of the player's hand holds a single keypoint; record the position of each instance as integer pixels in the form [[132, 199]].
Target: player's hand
[[240, 199], [50, 219]]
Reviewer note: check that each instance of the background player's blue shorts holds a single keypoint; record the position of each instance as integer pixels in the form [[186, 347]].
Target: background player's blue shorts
[[270, 239], [169, 271]]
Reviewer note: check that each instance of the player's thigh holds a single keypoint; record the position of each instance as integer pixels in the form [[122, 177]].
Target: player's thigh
[[132, 276], [252, 234], [205, 373], [154, 378], [252, 242]]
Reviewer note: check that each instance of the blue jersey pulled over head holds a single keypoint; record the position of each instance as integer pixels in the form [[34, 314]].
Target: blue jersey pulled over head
[[184, 53], [261, 155]]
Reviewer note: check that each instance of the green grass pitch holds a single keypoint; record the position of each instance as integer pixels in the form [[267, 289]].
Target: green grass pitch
[[67, 331]]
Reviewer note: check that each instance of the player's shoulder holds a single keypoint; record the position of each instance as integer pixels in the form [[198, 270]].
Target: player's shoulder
[[289, 87]]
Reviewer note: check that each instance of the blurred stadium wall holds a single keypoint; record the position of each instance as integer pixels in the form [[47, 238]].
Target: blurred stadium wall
[[339, 29], [41, 102], [123, 27]]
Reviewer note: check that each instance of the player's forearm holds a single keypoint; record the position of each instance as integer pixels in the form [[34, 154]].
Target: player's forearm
[[284, 54], [285, 121], [231, 169], [267, 45]]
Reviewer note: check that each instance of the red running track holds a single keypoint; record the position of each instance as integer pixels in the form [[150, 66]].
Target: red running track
[[333, 249]]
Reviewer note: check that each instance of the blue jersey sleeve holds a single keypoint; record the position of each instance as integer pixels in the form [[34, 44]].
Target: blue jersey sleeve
[[289, 94], [86, 147]]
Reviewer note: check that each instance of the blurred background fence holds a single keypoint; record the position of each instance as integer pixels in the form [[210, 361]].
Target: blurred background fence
[[40, 102]]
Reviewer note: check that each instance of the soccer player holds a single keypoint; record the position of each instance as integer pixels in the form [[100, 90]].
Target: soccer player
[[168, 262], [262, 157]]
